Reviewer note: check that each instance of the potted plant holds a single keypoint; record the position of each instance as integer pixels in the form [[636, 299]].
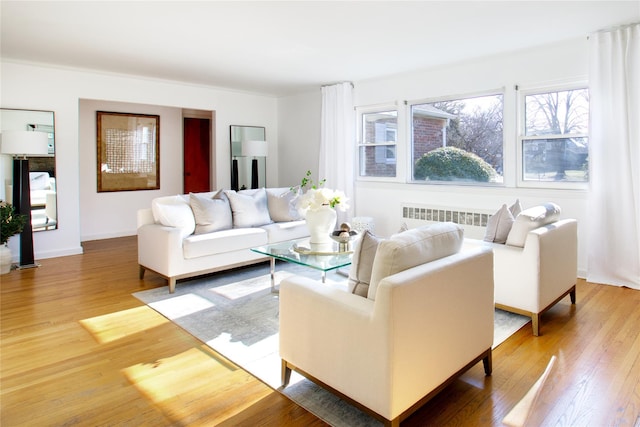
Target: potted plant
[[11, 223]]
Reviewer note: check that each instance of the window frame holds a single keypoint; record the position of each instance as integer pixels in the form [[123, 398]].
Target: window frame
[[361, 111], [522, 93], [453, 97]]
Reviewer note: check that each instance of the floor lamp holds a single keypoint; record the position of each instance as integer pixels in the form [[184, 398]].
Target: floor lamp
[[234, 174], [254, 149], [21, 144]]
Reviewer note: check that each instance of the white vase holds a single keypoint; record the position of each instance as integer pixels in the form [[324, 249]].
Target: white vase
[[321, 223], [5, 259]]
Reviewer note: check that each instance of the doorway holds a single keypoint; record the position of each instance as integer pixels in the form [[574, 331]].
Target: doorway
[[197, 133]]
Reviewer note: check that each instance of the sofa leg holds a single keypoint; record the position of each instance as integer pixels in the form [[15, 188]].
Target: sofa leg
[[572, 295], [141, 272], [172, 284], [286, 373], [535, 323], [487, 361]]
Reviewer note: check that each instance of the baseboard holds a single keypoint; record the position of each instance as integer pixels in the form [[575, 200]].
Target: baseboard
[[104, 236], [58, 253]]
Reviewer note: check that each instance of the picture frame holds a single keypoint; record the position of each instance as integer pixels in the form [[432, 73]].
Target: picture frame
[[128, 151]]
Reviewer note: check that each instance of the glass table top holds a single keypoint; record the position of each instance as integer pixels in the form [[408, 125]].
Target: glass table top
[[325, 257]]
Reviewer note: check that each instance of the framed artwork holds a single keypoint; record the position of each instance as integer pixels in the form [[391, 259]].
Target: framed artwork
[[128, 151]]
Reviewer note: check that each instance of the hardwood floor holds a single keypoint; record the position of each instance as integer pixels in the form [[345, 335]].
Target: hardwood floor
[[78, 349]]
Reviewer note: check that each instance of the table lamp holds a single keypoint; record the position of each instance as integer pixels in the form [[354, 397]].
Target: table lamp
[[20, 144], [254, 149]]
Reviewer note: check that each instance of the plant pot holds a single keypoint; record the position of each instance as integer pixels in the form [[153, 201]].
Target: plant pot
[[321, 223], [5, 259]]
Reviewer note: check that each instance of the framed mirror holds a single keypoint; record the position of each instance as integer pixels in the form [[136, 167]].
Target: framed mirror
[[42, 168], [248, 157]]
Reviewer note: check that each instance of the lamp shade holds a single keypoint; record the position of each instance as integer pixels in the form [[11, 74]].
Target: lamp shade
[[24, 143], [254, 148]]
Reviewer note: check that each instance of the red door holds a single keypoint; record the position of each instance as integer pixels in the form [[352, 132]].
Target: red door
[[197, 143]]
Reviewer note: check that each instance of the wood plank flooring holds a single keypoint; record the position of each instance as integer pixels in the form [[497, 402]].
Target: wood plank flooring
[[77, 349]]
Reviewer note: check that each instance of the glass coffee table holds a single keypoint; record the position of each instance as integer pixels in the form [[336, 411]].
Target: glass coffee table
[[299, 251]]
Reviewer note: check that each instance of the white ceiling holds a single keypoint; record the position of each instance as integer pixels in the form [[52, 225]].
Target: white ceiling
[[280, 48]]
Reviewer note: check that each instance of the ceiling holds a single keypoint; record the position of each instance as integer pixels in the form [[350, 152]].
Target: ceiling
[[281, 48]]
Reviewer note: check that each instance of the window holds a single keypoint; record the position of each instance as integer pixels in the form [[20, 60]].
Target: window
[[377, 151], [458, 140], [553, 137]]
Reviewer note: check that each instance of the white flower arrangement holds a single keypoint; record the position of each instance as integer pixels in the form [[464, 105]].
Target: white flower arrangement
[[317, 196]]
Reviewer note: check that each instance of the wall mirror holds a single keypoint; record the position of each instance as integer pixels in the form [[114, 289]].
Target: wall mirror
[[248, 157], [42, 169]]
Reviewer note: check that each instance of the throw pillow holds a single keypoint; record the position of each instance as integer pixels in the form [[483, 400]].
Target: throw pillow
[[364, 252], [249, 208], [211, 213], [530, 219], [499, 225], [281, 203], [515, 208], [174, 212], [414, 247], [403, 228]]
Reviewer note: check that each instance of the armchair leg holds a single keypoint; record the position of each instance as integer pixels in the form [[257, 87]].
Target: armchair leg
[[487, 361], [535, 323], [141, 272], [286, 373], [572, 295], [172, 284]]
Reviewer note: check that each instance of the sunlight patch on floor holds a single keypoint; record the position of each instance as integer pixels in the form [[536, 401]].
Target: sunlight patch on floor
[[243, 288], [114, 326], [181, 305], [178, 386]]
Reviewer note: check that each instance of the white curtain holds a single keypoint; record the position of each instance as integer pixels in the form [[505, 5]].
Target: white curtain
[[614, 160], [337, 142]]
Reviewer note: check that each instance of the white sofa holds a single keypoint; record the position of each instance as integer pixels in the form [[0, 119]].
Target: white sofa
[[189, 235], [418, 328], [41, 184]]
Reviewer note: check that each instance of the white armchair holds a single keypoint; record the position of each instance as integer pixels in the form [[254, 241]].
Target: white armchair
[[530, 280], [389, 355]]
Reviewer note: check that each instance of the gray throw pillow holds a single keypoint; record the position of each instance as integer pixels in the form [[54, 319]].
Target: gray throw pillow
[[499, 225], [249, 208], [211, 213], [364, 252]]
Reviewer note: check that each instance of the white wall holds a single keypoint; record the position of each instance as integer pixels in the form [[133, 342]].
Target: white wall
[[109, 214], [84, 215], [299, 137], [293, 131], [383, 200]]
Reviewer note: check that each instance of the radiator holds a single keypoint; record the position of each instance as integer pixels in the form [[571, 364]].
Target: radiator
[[473, 221]]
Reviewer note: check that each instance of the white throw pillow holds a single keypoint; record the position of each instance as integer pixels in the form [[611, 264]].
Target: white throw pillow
[[414, 247], [281, 203], [499, 225], [530, 219], [211, 213], [249, 208], [174, 212], [364, 252]]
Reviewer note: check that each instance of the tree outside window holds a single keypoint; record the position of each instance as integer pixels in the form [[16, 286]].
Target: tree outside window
[[554, 138], [454, 139]]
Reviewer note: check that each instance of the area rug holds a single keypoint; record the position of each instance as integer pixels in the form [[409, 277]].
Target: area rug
[[236, 314]]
